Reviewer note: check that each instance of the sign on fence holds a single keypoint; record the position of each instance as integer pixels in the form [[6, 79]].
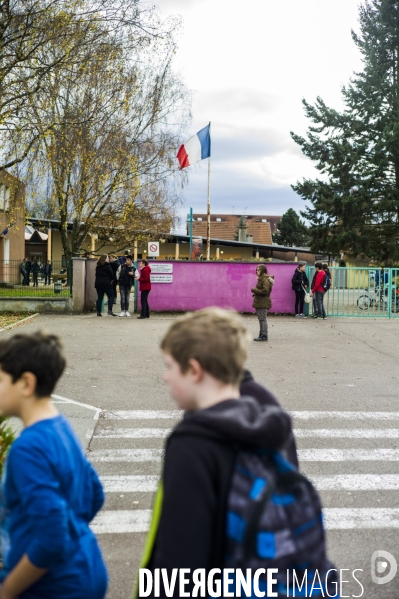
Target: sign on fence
[[161, 278], [153, 249], [161, 268]]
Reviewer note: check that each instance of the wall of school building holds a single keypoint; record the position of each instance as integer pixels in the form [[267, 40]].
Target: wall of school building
[[168, 251]]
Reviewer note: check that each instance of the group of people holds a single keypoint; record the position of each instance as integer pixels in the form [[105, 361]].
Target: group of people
[[230, 473], [28, 266], [112, 271], [321, 283]]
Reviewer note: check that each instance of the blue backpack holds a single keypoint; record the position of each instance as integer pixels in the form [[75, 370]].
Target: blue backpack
[[326, 282], [274, 520]]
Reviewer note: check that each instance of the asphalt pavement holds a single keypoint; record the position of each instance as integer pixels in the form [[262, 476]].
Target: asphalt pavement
[[338, 378]]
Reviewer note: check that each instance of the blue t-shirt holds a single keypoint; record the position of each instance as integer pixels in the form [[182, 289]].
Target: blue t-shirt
[[50, 493]]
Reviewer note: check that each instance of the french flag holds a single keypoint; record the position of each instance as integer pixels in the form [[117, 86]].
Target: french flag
[[196, 148]]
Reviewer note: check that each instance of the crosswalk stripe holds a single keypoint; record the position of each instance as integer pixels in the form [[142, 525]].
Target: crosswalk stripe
[[356, 482], [142, 414], [346, 518], [334, 433], [121, 521], [345, 415], [130, 433], [136, 483], [300, 415], [348, 455], [305, 455], [162, 433], [126, 455], [132, 521]]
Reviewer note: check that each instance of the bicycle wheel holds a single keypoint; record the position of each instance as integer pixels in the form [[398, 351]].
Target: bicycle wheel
[[364, 302]]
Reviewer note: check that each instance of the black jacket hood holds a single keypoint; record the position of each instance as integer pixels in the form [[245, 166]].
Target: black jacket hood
[[241, 422]]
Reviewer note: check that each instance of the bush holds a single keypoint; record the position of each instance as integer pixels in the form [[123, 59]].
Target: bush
[[6, 440]]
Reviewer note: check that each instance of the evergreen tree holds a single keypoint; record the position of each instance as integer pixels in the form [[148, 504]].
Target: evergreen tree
[[355, 206], [291, 231]]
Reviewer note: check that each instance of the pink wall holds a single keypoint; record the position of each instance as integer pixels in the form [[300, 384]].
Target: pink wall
[[197, 285]]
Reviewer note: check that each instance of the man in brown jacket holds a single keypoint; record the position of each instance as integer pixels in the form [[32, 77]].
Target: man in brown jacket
[[262, 302]]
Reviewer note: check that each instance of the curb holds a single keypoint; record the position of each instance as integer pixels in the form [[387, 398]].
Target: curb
[[19, 322]]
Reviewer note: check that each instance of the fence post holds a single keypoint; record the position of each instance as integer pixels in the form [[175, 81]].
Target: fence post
[[78, 284]]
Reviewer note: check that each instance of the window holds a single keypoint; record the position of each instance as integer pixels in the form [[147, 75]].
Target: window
[[7, 199], [4, 197], [264, 220], [6, 251], [218, 220], [199, 218]]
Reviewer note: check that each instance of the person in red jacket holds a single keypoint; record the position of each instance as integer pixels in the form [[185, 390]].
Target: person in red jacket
[[145, 288], [318, 291]]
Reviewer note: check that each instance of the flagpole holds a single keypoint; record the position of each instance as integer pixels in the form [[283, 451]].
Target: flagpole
[[191, 233], [208, 225]]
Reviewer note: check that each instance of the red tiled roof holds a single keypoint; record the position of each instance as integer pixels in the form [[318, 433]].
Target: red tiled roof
[[224, 226]]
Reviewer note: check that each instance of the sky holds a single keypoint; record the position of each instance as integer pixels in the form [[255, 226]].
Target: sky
[[249, 64]]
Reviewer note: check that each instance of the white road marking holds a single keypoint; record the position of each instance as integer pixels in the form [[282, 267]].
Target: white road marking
[[130, 433], [125, 455], [77, 403], [350, 455], [339, 482], [357, 482], [132, 521], [345, 415], [300, 415], [162, 433], [142, 414], [334, 433], [347, 518], [121, 521], [130, 484]]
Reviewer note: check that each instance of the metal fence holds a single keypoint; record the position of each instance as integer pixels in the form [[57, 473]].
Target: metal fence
[[34, 279], [361, 292]]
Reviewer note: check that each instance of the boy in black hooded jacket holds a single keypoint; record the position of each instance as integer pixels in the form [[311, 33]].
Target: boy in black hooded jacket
[[204, 355]]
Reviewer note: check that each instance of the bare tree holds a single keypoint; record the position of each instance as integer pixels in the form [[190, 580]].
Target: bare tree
[[108, 127], [38, 37]]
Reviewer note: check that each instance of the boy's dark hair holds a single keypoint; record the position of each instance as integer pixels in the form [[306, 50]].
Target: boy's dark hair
[[145, 262], [38, 353], [129, 257], [318, 265]]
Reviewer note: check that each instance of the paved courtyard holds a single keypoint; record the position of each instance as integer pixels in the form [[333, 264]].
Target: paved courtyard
[[339, 379]]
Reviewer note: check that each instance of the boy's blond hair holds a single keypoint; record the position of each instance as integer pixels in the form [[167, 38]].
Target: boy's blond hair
[[217, 338]]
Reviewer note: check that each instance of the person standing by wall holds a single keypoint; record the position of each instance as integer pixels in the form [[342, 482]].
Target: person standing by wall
[[125, 274], [28, 267], [300, 283], [114, 264], [145, 288], [35, 272], [103, 284], [48, 269], [262, 302], [22, 270], [318, 291]]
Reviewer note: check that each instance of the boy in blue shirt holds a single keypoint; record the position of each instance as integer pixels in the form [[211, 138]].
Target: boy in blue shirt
[[50, 492]]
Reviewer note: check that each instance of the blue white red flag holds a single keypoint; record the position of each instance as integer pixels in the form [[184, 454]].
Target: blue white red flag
[[196, 148]]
